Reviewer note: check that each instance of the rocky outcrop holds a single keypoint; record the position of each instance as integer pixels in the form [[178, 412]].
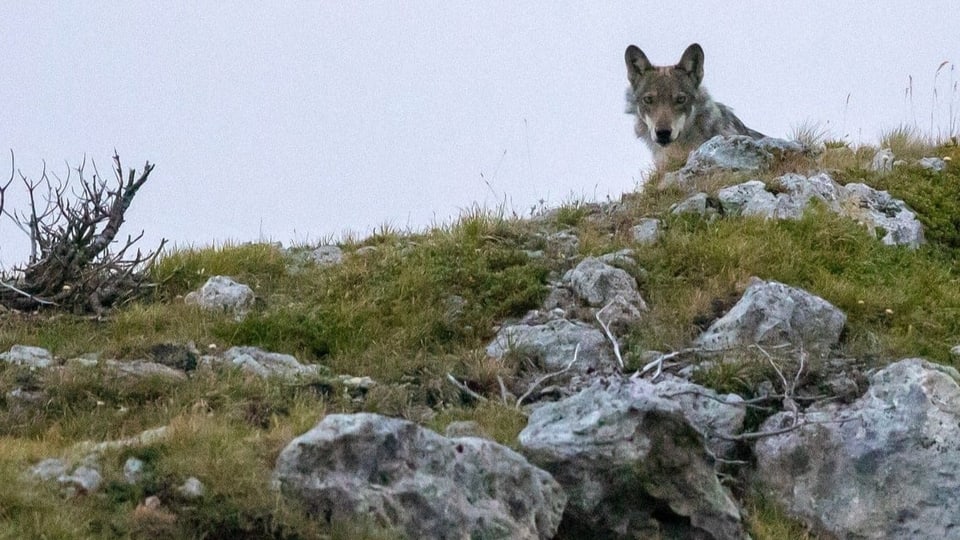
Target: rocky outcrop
[[221, 293], [418, 482], [882, 467], [737, 153], [876, 210], [632, 465], [773, 314]]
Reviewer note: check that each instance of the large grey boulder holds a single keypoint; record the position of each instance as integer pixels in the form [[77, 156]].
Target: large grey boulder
[[23, 355], [412, 479], [554, 343], [598, 283], [221, 293], [717, 416], [773, 314], [632, 465], [884, 466]]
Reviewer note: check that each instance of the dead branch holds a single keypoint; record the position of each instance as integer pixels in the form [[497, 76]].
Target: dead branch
[[3, 188], [659, 361], [606, 330], [463, 387], [73, 226]]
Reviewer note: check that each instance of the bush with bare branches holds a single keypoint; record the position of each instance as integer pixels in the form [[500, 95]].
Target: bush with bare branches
[[73, 263]]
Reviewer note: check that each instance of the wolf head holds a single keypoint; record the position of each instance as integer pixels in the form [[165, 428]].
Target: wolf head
[[664, 98]]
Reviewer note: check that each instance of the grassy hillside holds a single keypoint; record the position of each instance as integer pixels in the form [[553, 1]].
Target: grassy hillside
[[407, 309]]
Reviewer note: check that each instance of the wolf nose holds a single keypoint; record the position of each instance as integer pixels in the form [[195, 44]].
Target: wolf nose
[[663, 136]]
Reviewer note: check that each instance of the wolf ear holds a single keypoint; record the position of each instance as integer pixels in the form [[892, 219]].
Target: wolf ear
[[692, 62], [637, 63]]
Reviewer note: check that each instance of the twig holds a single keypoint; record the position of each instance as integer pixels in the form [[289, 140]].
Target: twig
[[503, 389], [795, 425], [542, 378], [464, 388], [659, 360], [606, 330], [28, 295]]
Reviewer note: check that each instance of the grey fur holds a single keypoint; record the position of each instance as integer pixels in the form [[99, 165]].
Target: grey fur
[[670, 101]]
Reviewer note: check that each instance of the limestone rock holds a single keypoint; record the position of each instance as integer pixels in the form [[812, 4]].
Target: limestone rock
[[697, 203], [773, 314], [23, 355], [192, 488], [632, 465], [598, 283], [327, 255], [133, 470], [646, 231], [878, 210], [932, 163], [49, 469], [881, 467], [714, 415], [412, 479], [736, 153], [221, 293], [267, 364], [553, 345], [82, 480]]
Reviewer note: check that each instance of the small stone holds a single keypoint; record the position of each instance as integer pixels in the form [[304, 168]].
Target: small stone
[[646, 231], [33, 357], [932, 163], [192, 488], [49, 469], [133, 470], [84, 480], [327, 255]]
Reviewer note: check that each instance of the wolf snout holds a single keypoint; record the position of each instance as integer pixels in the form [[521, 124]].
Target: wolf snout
[[663, 136]]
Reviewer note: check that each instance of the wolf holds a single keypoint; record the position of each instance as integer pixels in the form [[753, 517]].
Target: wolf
[[674, 113]]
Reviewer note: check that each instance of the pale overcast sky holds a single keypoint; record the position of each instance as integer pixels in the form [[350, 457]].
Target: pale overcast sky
[[300, 121]]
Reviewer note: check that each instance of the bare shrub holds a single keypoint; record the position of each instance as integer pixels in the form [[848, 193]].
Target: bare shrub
[[72, 225]]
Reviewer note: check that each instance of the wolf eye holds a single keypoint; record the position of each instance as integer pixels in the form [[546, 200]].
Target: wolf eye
[[680, 100], [647, 100]]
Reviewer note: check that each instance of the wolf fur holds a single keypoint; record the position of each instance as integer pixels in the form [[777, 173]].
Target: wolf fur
[[674, 113]]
